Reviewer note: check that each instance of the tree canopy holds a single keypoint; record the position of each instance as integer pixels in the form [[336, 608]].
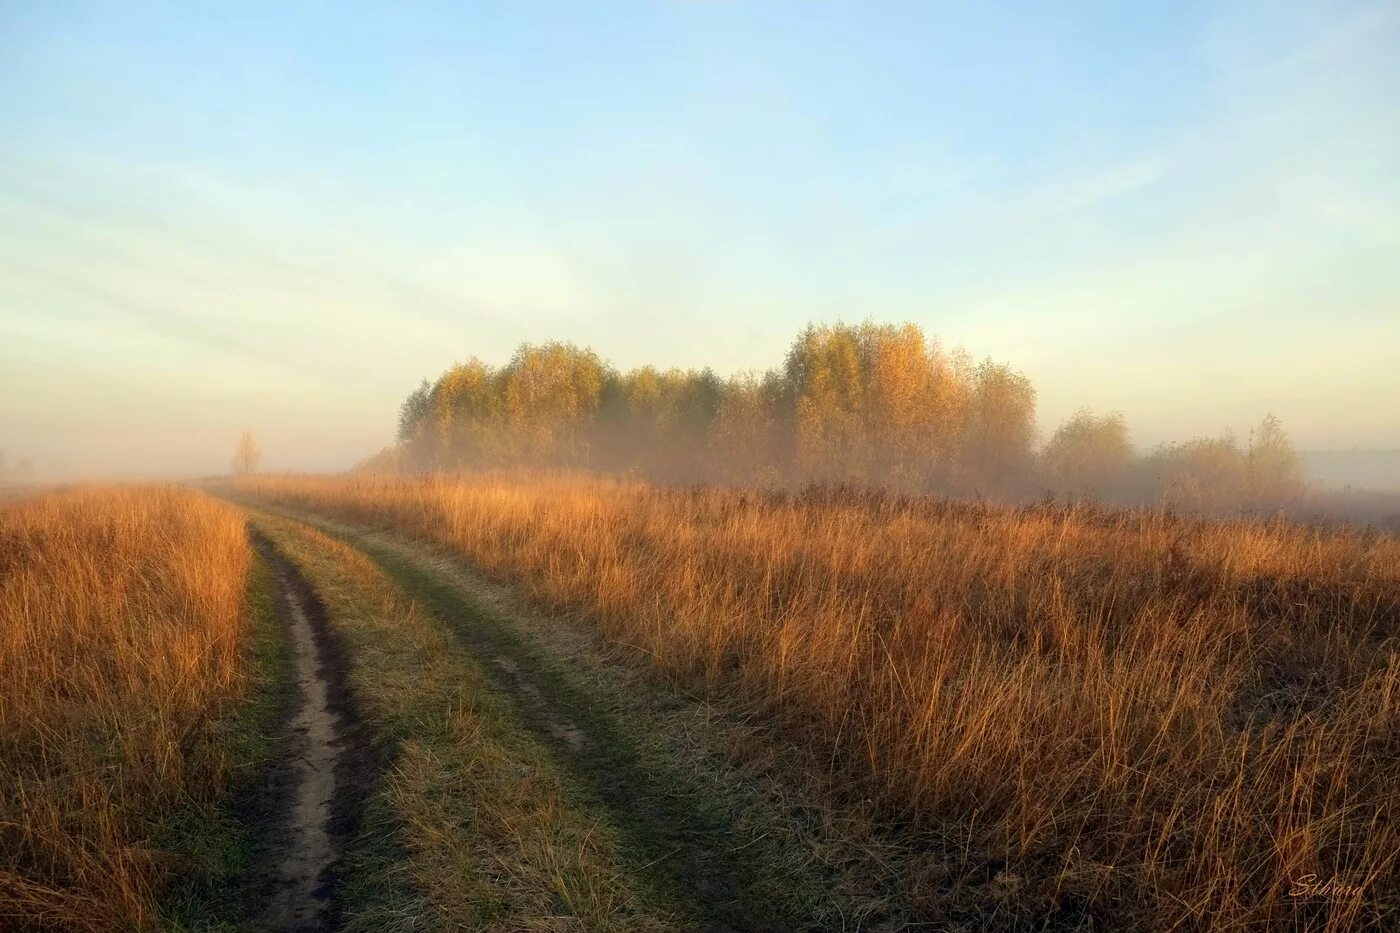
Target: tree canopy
[[879, 404]]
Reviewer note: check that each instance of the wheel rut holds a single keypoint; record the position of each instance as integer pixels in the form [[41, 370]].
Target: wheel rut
[[319, 772]]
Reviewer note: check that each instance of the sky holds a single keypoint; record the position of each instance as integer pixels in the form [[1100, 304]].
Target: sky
[[285, 215]]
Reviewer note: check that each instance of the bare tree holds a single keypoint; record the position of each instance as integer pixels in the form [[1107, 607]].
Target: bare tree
[[246, 454]]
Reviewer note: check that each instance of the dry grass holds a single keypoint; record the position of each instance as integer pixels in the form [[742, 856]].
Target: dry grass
[[1154, 721], [121, 620]]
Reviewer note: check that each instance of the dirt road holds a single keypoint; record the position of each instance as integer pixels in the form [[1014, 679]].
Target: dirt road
[[513, 727], [315, 770]]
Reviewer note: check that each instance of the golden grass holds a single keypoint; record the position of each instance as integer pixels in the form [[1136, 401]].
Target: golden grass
[[1152, 720], [121, 620]]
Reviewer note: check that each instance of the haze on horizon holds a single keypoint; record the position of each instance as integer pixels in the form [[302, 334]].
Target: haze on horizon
[[286, 218]]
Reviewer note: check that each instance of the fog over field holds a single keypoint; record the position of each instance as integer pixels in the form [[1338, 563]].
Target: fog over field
[[1359, 469]]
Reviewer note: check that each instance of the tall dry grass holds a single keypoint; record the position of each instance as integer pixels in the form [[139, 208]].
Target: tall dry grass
[[1154, 721], [121, 621]]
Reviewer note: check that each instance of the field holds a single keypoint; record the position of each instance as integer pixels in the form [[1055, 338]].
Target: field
[[122, 623], [678, 467], [554, 701]]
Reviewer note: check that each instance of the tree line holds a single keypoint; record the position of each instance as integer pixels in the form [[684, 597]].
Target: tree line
[[877, 404]]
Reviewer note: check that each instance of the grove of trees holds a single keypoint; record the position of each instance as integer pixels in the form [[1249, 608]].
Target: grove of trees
[[876, 404]]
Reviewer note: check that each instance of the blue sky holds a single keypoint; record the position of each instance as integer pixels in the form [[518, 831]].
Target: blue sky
[[285, 215]]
